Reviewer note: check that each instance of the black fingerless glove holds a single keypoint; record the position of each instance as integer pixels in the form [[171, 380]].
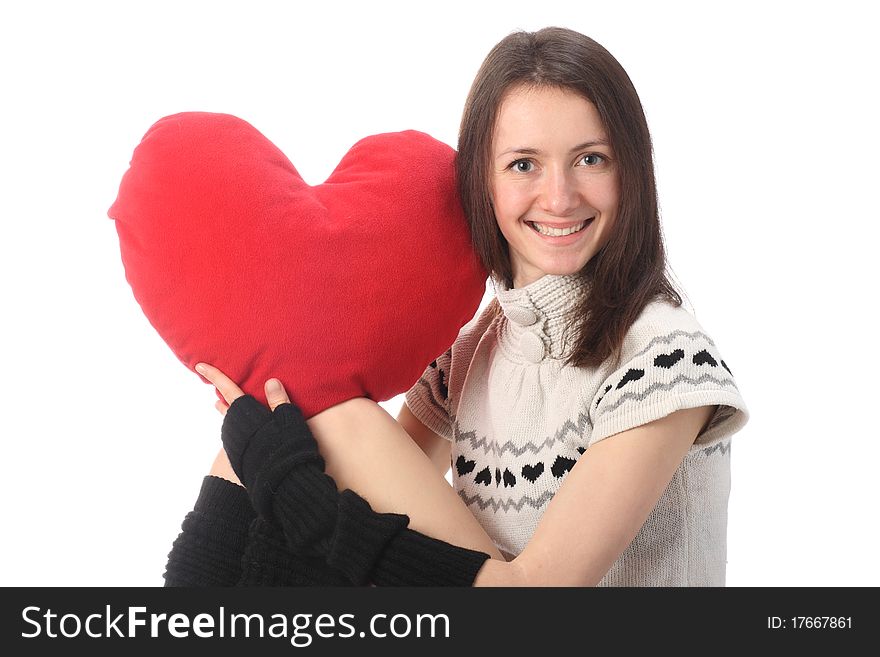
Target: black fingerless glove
[[276, 457]]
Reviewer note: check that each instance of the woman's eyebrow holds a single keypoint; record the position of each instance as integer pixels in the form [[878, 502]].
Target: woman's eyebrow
[[534, 151], [589, 144]]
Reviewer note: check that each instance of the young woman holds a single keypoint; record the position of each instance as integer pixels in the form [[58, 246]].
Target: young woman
[[586, 414]]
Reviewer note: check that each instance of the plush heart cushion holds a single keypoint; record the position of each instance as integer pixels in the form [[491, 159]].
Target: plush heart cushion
[[345, 289]]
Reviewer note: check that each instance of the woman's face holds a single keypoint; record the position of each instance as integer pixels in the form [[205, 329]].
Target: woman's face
[[554, 182]]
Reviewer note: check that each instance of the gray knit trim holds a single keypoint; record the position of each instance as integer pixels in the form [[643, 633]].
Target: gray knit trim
[[666, 339], [723, 447], [562, 436], [506, 505], [664, 386]]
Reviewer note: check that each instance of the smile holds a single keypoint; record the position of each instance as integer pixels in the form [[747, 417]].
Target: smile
[[550, 231]]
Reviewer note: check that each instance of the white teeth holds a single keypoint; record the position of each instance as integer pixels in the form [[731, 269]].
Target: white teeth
[[557, 232]]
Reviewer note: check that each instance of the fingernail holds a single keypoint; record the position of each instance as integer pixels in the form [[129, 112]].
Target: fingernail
[[273, 385], [201, 369]]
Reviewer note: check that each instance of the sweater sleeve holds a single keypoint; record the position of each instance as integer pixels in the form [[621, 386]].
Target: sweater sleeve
[[669, 363], [209, 549], [435, 396], [428, 399]]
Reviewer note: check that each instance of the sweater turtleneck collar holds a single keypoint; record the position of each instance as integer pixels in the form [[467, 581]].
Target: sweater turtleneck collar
[[536, 316]]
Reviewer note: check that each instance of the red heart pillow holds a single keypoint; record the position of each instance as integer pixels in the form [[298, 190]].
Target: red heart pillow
[[345, 289]]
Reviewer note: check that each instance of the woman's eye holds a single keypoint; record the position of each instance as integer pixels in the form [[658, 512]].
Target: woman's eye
[[521, 166], [593, 159]]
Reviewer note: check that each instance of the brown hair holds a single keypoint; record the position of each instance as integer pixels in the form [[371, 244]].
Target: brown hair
[[630, 270]]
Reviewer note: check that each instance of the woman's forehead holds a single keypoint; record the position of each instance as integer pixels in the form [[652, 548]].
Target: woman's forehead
[[546, 118]]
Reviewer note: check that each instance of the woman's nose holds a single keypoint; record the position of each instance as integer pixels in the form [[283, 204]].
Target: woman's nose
[[559, 195]]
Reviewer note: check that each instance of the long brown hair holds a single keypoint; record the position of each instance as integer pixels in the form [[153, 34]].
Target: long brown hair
[[630, 270]]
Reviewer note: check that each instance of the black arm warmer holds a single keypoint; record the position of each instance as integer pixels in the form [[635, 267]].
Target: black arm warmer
[[277, 459], [214, 534], [368, 549]]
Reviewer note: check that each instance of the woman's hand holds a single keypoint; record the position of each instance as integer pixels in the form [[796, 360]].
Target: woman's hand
[[275, 392], [264, 448], [368, 452], [277, 456]]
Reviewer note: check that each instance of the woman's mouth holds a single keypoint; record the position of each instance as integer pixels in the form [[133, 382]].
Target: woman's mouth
[[552, 231]]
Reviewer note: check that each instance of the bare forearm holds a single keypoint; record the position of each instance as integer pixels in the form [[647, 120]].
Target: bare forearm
[[223, 469], [434, 446], [366, 450], [501, 573]]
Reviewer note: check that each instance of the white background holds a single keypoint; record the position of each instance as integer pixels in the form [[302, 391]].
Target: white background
[[765, 128]]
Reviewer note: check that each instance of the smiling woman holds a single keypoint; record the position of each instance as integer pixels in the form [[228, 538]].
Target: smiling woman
[[587, 414], [554, 203]]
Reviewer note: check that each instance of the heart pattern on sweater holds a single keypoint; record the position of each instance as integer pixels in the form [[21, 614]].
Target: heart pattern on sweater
[[463, 466], [562, 463], [704, 358], [532, 472], [630, 376], [484, 477], [668, 360], [561, 466]]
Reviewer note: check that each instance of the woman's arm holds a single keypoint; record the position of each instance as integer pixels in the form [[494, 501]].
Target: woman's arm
[[208, 551], [591, 520], [435, 447], [222, 468], [366, 450], [604, 501], [599, 509]]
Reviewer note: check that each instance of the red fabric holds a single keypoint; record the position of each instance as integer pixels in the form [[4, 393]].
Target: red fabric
[[345, 289]]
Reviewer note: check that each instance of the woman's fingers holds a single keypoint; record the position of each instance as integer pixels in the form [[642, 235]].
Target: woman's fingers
[[223, 383], [275, 393]]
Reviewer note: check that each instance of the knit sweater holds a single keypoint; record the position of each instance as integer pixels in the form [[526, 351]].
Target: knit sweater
[[519, 418]]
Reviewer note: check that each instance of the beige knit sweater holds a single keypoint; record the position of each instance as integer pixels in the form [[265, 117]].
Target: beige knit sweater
[[519, 419]]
